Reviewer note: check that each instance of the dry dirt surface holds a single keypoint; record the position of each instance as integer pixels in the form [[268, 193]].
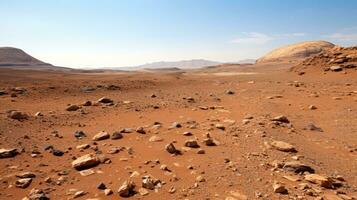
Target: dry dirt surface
[[266, 134]]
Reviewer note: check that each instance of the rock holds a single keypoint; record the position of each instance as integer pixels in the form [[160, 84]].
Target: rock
[[209, 142], [321, 180], [297, 167], [86, 172], [201, 151], [312, 127], [17, 115], [8, 153], [105, 100], [38, 114], [172, 190], [283, 146], [26, 175], [87, 103], [155, 138], [57, 152], [116, 135], [335, 68], [312, 107], [176, 125], [101, 136], [23, 183], [148, 183], [191, 143], [281, 118], [108, 192], [127, 130], [127, 189], [220, 126], [85, 162], [200, 179], [101, 186], [83, 146], [79, 134], [72, 108], [171, 148], [141, 130], [79, 194], [230, 92], [279, 188], [38, 194], [187, 133]]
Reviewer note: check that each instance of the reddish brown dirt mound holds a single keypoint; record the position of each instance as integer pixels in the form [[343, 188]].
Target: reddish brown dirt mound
[[337, 59]]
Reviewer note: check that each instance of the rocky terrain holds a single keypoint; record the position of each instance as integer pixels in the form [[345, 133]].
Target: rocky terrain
[[337, 59], [227, 133]]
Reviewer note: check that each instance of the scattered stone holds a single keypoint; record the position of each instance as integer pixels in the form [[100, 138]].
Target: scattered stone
[[321, 180], [72, 108], [8, 153], [281, 118], [23, 183], [108, 192], [79, 194], [141, 130], [312, 107], [86, 172], [187, 133], [85, 162], [26, 175], [230, 92], [155, 138], [148, 183], [175, 125], [38, 194], [38, 114], [17, 115], [105, 100], [87, 103], [297, 167], [220, 126], [127, 189], [171, 148], [83, 146], [313, 127], [172, 190], [200, 179], [101, 136], [283, 146], [191, 143], [57, 152], [127, 130], [116, 135], [101, 186], [336, 68], [201, 151], [279, 188], [79, 134]]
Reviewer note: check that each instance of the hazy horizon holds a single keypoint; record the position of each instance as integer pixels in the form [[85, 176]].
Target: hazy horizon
[[93, 34]]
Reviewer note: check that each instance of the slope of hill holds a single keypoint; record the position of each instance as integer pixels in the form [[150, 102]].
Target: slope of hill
[[296, 51], [10, 56]]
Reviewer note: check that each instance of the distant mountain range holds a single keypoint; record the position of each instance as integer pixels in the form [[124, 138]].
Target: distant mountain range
[[14, 57]]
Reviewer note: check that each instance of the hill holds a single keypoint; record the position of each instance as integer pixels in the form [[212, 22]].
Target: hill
[[296, 51], [10, 56]]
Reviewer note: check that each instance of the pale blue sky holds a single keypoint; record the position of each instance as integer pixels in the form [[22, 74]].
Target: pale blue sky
[[114, 33]]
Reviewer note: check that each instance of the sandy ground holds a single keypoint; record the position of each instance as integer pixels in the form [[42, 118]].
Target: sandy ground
[[240, 166]]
